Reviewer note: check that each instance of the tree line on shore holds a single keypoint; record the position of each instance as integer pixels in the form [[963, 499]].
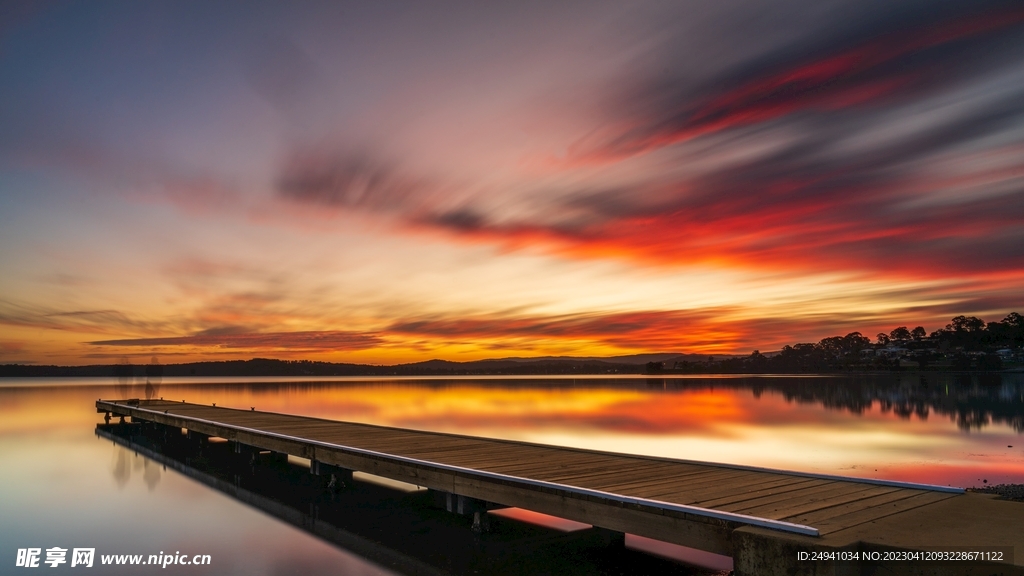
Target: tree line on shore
[[966, 343]]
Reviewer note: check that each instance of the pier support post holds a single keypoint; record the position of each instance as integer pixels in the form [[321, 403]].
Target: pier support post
[[197, 437], [168, 432], [274, 457], [335, 476], [245, 453], [466, 506], [268, 456], [481, 521], [462, 505], [243, 449]]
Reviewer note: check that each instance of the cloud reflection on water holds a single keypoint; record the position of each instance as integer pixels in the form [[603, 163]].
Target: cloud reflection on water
[[935, 427]]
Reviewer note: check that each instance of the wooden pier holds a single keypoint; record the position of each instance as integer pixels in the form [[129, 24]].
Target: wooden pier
[[404, 532], [761, 517]]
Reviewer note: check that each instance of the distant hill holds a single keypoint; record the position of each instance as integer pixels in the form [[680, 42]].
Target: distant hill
[[630, 359], [633, 364], [630, 364]]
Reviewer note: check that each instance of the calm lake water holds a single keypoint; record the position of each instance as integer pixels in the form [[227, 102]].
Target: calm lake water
[[64, 485]]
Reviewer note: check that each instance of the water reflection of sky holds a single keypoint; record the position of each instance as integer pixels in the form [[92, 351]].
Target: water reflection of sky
[[772, 424], [62, 486]]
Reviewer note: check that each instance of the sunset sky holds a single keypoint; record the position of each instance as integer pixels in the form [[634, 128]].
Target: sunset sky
[[386, 182]]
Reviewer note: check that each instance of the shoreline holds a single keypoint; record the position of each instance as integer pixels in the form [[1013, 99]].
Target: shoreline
[[1013, 492]]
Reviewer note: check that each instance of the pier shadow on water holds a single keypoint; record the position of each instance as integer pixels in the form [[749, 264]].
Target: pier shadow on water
[[398, 527]]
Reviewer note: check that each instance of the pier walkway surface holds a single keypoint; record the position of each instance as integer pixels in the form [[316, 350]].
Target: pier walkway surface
[[769, 521]]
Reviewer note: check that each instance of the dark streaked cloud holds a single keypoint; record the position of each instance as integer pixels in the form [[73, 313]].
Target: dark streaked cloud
[[33, 316], [707, 330], [346, 180], [661, 330], [307, 340], [666, 330], [883, 61]]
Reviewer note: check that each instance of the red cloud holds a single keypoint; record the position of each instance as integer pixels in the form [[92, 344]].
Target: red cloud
[[798, 218]]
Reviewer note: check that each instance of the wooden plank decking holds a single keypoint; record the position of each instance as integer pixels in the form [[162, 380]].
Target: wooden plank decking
[[690, 503]]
